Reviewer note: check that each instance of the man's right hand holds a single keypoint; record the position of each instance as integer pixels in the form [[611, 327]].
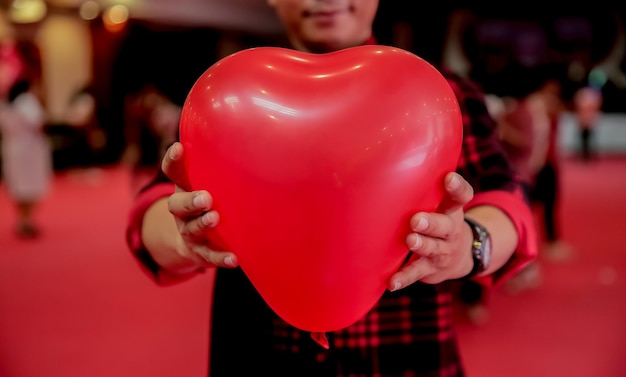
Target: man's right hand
[[193, 213]]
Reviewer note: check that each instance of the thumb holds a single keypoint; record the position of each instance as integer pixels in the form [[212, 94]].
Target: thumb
[[173, 166], [457, 193]]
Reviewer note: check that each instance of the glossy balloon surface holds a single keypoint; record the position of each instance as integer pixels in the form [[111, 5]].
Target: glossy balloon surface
[[316, 163]]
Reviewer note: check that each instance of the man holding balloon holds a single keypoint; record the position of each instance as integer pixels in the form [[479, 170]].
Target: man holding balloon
[[267, 301]]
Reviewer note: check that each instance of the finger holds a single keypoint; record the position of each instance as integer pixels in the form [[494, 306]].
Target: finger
[[188, 204], [205, 256], [432, 224], [198, 227], [413, 271], [457, 193], [428, 247], [174, 167], [217, 258]]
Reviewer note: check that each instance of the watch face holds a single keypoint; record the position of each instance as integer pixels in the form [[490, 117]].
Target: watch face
[[487, 253]]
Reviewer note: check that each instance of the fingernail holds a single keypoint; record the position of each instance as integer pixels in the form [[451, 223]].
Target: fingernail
[[175, 152], [207, 218], [454, 183], [422, 224], [199, 201], [417, 241], [230, 261], [397, 285]]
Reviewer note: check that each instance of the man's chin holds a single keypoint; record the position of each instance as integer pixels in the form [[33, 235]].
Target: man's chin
[[328, 42]]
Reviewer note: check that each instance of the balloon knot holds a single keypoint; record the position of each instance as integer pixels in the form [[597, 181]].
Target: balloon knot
[[321, 339]]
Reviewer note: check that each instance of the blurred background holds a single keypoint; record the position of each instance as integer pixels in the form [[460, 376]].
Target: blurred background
[[114, 74], [116, 48]]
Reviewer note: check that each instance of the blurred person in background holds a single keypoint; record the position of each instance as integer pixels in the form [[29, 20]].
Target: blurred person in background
[[26, 150], [81, 115], [528, 126], [410, 332], [545, 164], [150, 125], [523, 130], [529, 133], [587, 103]]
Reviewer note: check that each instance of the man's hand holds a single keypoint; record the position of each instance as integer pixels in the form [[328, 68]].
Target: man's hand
[[193, 213], [440, 241]]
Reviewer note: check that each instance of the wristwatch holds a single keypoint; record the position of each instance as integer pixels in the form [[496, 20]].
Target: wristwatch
[[481, 248]]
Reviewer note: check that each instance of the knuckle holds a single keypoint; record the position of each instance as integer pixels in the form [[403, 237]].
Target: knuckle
[[191, 229], [171, 202], [185, 231]]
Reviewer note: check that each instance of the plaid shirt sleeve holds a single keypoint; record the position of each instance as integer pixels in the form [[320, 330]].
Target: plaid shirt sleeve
[[484, 164]]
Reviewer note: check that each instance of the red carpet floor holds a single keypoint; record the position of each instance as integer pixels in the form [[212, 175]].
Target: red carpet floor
[[574, 324], [74, 304]]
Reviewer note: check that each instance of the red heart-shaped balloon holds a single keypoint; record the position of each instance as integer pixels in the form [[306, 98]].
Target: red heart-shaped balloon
[[316, 163]]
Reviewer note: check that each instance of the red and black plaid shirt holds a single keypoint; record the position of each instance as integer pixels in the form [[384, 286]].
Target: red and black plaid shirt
[[408, 333]]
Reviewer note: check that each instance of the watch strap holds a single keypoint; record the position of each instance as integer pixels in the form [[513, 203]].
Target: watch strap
[[481, 236]]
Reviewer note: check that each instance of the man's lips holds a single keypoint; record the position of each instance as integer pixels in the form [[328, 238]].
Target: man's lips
[[325, 16]]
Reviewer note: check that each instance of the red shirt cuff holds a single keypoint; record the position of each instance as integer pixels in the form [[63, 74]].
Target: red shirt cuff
[[143, 201]]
